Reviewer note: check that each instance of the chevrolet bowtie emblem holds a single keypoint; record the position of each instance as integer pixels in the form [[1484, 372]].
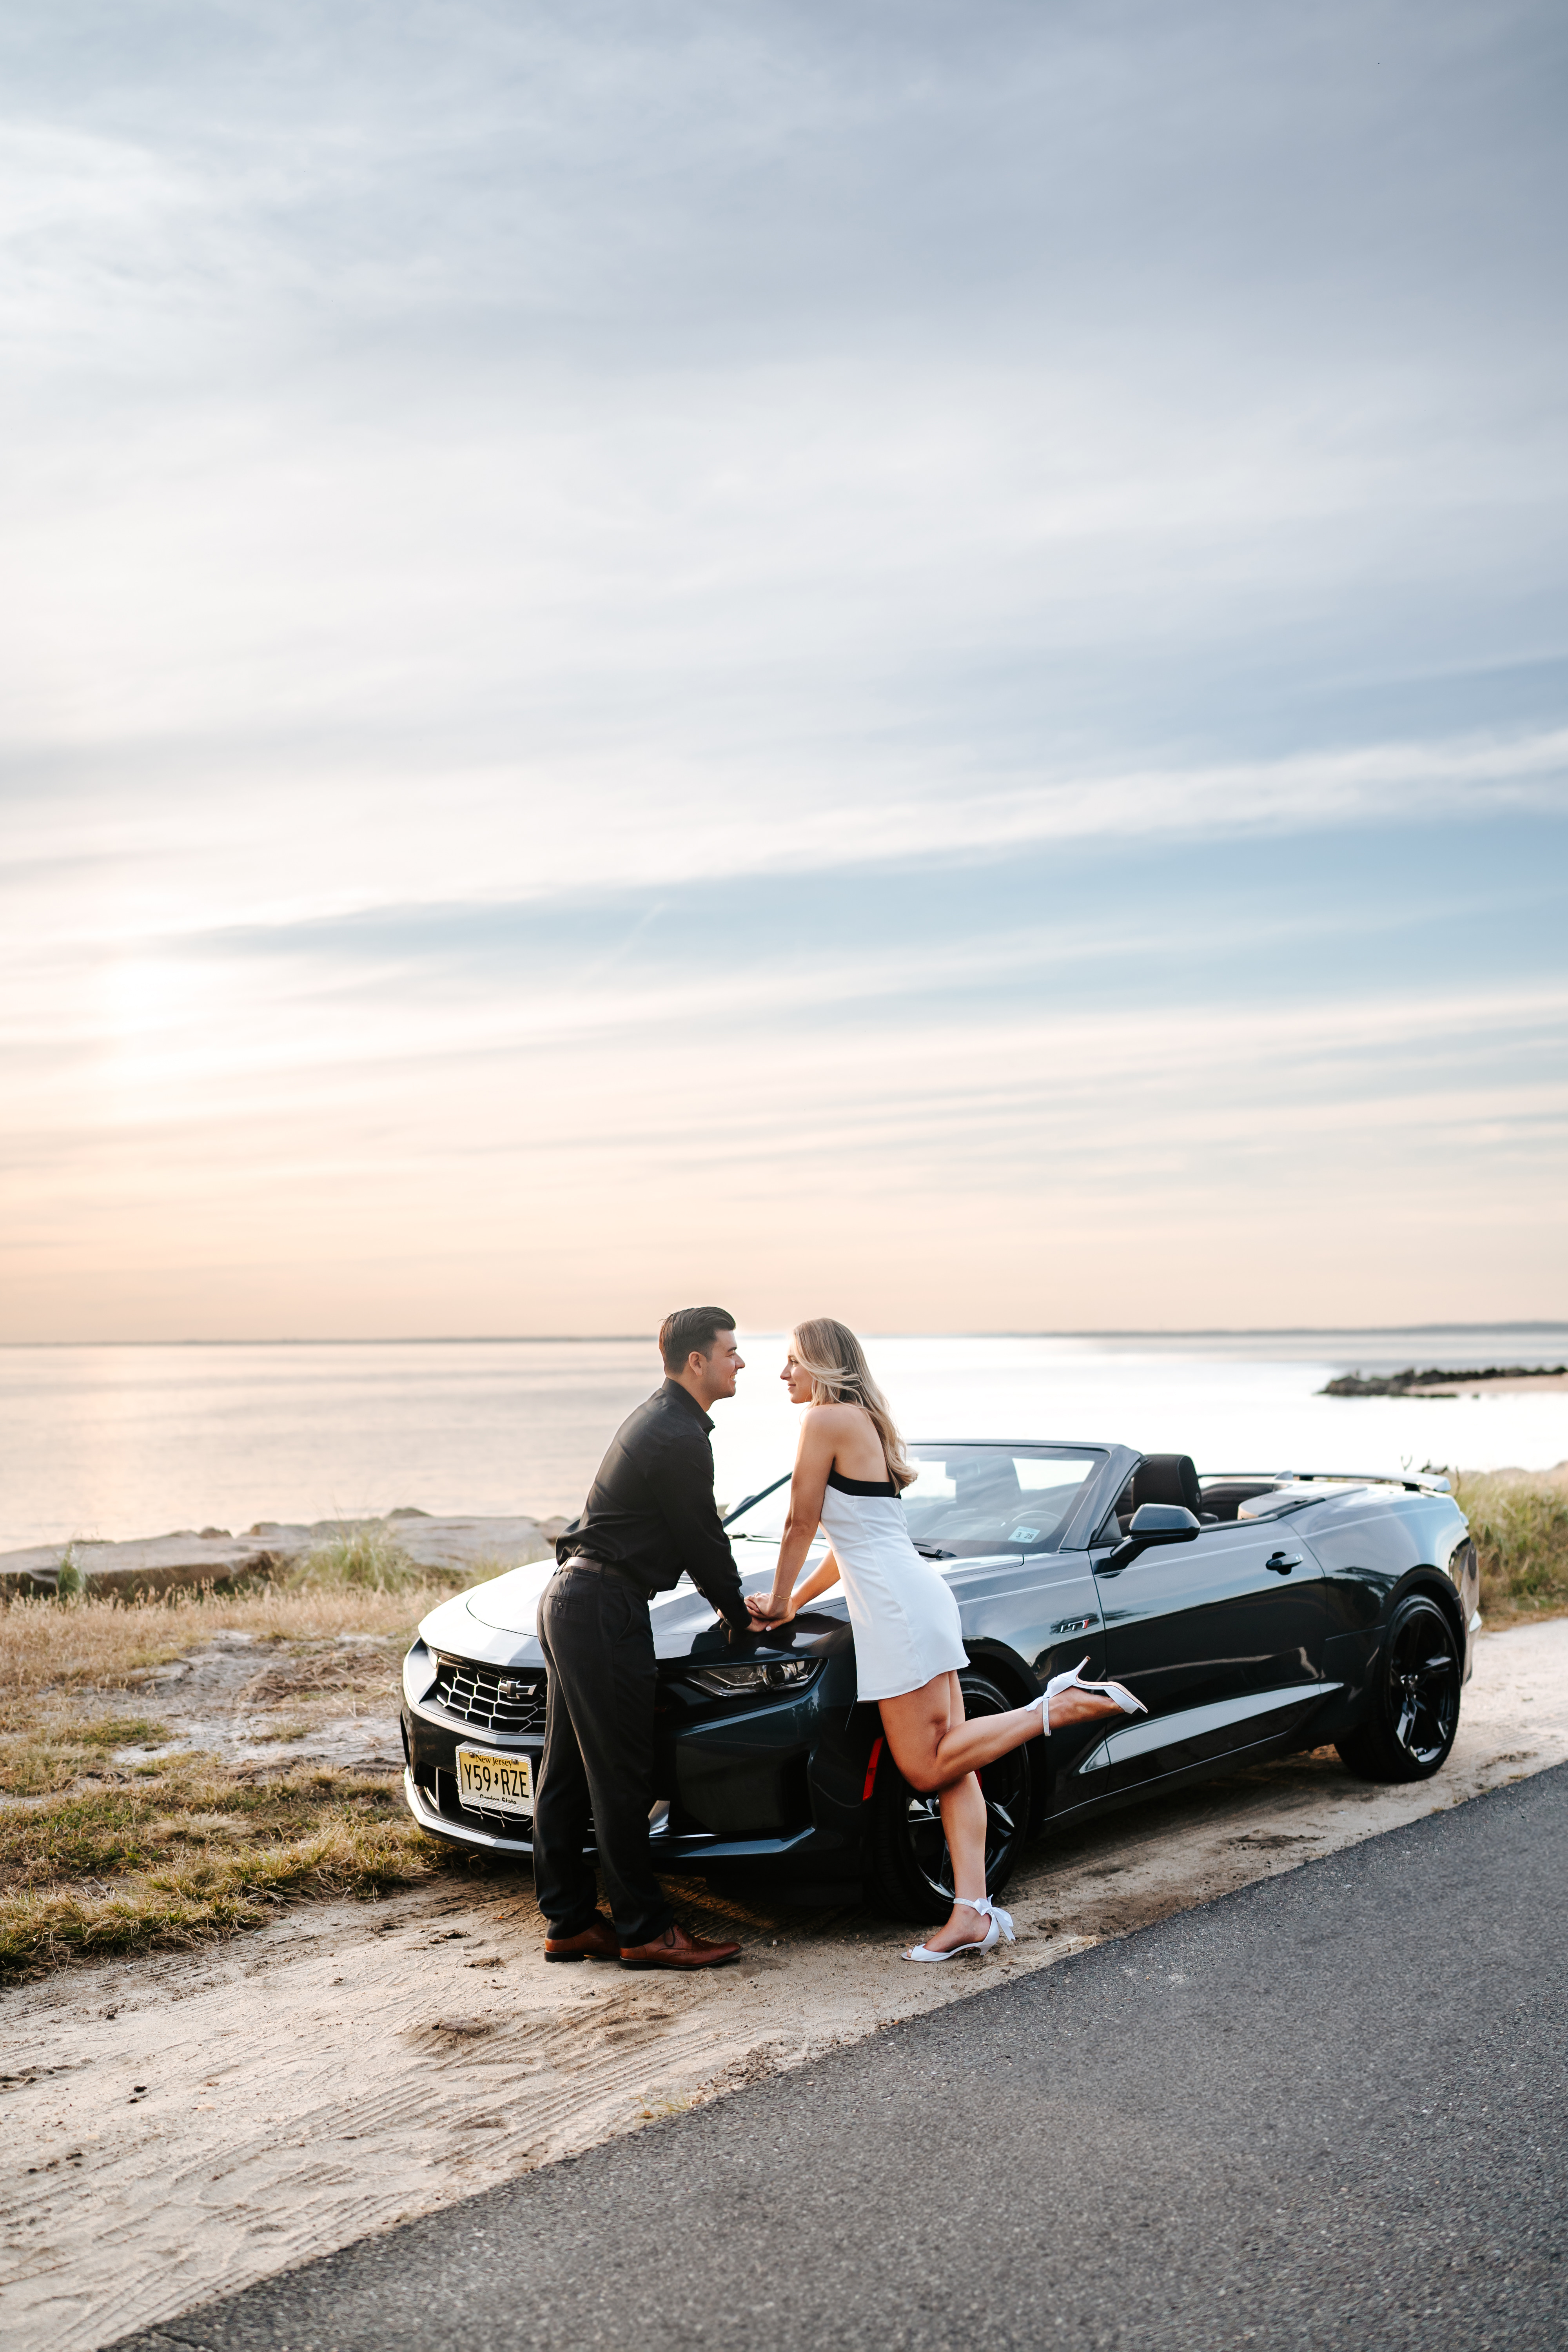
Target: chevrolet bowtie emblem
[[508, 1688]]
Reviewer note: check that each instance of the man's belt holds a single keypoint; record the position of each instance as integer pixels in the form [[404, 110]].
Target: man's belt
[[610, 1568]]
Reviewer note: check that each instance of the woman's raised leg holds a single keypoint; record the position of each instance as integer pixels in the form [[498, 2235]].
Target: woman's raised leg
[[933, 1746]]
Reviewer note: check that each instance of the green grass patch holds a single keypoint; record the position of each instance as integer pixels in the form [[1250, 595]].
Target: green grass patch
[[42, 1758], [183, 1850], [366, 1558], [172, 1809]]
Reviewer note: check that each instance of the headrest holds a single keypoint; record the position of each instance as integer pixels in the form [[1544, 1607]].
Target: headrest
[[1167, 1478]]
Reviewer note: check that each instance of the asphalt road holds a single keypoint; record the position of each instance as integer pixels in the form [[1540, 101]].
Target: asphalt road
[[1328, 2111]]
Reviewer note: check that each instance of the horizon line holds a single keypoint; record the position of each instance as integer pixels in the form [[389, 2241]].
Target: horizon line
[[622, 1339]]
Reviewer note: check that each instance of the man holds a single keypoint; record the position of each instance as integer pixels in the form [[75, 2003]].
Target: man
[[649, 1514]]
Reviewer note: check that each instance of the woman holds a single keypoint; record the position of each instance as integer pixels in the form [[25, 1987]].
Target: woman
[[850, 1469]]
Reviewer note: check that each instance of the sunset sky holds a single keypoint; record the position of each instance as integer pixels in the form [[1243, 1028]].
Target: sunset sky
[[888, 660]]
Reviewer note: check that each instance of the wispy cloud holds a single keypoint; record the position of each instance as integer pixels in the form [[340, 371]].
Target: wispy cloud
[[414, 846]]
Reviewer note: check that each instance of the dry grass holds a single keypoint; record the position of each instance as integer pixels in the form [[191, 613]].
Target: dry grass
[[1521, 1528], [179, 1853], [110, 1644], [103, 1855], [299, 1676]]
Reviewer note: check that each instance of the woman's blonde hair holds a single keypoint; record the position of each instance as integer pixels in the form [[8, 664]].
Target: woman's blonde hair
[[835, 1362]]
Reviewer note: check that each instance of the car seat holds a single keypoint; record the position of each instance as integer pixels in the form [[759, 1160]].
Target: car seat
[[1162, 1478]]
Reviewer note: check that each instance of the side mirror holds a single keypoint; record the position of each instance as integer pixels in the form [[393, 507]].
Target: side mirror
[[1152, 1523], [1172, 1520]]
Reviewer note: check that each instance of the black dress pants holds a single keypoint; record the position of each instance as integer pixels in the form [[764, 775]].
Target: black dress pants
[[597, 1641]]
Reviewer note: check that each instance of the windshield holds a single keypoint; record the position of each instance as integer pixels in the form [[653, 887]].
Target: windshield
[[966, 1499]]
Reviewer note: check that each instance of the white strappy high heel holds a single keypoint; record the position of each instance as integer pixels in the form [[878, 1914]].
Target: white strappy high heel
[[998, 1929], [1118, 1691]]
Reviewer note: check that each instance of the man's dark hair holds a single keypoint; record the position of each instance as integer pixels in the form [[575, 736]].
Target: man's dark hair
[[689, 1328]]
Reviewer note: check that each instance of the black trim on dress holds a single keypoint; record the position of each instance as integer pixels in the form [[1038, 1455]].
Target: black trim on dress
[[861, 1485]]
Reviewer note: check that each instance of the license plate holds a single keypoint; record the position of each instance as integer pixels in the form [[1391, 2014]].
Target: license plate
[[504, 1781]]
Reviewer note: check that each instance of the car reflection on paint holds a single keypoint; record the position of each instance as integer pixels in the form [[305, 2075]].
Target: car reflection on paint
[[1254, 1615]]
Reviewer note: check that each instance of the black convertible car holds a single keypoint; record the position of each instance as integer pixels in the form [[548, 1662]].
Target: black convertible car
[[1254, 1615]]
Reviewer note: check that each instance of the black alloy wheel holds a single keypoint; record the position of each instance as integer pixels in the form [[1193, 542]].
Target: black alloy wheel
[[907, 1870], [1414, 1713]]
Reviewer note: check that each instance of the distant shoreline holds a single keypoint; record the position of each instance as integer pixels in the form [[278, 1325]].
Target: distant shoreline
[[1436, 1383], [1340, 1331]]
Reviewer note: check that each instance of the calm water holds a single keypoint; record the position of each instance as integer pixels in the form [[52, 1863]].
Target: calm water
[[126, 1441]]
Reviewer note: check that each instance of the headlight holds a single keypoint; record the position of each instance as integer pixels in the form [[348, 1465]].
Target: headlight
[[738, 1682]]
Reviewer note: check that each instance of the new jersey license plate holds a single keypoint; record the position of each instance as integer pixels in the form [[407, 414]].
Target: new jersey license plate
[[505, 1782]]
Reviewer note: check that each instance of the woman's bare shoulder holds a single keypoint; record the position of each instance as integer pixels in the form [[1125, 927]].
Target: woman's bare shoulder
[[826, 1424]]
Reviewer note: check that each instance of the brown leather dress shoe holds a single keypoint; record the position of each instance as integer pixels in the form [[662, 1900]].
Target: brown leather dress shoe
[[597, 1942], [676, 1949]]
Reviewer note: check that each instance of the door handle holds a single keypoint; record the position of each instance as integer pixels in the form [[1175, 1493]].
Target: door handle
[[1282, 1563]]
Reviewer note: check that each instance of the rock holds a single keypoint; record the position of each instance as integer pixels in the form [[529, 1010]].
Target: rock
[[1436, 1383], [186, 1561]]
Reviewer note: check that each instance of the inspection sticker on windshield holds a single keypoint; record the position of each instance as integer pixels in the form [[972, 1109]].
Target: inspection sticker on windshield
[[504, 1781]]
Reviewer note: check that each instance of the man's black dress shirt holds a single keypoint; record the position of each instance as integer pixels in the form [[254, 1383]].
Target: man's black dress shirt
[[651, 1510]]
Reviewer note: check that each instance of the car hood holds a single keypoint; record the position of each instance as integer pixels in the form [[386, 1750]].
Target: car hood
[[496, 1620]]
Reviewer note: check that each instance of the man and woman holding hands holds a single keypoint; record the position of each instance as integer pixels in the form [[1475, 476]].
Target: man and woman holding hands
[[649, 1517]]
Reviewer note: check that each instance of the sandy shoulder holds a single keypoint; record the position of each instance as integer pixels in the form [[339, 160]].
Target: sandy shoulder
[[180, 2126]]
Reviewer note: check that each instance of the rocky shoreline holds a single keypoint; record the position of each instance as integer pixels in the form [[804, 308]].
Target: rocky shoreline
[[189, 1558], [1434, 1382]]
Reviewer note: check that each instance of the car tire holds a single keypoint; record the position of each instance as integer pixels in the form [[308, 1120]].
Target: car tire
[[906, 1871], [1413, 1710]]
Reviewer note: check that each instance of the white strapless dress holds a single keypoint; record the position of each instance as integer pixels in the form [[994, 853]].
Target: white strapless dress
[[903, 1615]]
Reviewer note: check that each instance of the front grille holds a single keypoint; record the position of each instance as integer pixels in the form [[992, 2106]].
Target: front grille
[[475, 1695]]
